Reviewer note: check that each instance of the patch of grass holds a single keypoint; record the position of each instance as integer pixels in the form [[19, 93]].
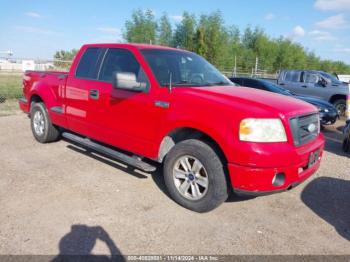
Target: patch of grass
[[10, 86], [9, 107], [10, 91]]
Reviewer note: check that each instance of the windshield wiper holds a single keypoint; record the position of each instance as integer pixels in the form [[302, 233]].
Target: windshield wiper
[[221, 83]]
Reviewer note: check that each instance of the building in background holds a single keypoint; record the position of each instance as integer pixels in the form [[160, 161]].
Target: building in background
[[21, 65], [344, 78]]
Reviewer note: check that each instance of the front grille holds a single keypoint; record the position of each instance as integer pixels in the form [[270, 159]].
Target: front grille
[[305, 128]]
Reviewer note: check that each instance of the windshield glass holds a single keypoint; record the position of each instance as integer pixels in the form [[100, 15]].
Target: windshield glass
[[183, 68], [331, 77], [275, 88]]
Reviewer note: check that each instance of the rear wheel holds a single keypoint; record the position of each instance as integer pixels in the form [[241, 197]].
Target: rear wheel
[[42, 128], [340, 105], [194, 176]]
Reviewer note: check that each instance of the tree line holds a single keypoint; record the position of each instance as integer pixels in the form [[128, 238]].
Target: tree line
[[223, 46]]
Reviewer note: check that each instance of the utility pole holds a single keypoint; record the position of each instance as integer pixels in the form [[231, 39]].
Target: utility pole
[[256, 65], [235, 68]]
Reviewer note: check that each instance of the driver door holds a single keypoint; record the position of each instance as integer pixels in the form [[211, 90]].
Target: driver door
[[312, 85], [124, 118]]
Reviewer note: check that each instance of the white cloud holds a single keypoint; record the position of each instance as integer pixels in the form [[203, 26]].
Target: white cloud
[[35, 30], [332, 5], [33, 14], [342, 50], [332, 22], [297, 32], [176, 18], [270, 16], [109, 30], [319, 35]]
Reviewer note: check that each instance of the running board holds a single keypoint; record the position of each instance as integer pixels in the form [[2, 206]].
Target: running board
[[132, 161]]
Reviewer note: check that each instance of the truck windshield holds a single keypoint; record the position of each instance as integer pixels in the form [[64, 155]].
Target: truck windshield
[[183, 69]]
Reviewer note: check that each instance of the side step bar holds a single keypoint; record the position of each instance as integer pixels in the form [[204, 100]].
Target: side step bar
[[132, 161]]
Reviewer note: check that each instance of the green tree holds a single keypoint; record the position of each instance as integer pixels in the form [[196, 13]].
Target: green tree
[[200, 44], [185, 32], [141, 28], [215, 38], [221, 44], [165, 31], [63, 59]]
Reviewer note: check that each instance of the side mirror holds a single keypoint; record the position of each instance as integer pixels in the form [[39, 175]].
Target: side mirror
[[128, 81]]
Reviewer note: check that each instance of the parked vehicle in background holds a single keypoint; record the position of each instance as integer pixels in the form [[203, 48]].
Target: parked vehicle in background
[[328, 113], [344, 78], [173, 107], [317, 84], [346, 141]]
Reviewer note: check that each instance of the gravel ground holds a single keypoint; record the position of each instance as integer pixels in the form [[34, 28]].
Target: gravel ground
[[59, 199]]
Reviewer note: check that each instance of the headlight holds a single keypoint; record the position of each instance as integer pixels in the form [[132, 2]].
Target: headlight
[[262, 130], [320, 109]]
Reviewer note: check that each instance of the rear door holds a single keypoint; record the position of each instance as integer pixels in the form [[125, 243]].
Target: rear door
[[291, 80], [81, 91]]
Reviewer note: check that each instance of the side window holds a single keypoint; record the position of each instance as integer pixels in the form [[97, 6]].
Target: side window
[[121, 60], [292, 76], [89, 63], [311, 78]]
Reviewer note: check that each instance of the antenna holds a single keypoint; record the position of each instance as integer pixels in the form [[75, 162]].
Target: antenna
[[170, 81]]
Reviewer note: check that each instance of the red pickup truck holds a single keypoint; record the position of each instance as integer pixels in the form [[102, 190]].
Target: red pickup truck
[[138, 103]]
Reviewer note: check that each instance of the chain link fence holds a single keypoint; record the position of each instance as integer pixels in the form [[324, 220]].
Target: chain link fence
[[11, 78]]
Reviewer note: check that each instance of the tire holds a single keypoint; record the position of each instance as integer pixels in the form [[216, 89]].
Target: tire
[[212, 172], [48, 132], [340, 105]]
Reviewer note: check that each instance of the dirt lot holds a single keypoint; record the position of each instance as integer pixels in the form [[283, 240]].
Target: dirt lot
[[57, 198]]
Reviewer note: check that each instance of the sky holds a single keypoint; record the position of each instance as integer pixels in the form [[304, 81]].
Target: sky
[[38, 28]]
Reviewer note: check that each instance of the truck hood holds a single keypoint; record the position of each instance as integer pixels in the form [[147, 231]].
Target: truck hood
[[247, 98]]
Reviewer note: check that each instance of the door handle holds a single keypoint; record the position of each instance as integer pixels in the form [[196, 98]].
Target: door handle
[[304, 86], [281, 84], [94, 94]]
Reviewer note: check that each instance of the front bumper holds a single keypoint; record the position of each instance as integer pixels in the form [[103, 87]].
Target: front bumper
[[260, 180], [328, 118]]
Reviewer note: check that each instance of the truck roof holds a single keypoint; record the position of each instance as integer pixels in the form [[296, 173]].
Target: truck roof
[[136, 45]]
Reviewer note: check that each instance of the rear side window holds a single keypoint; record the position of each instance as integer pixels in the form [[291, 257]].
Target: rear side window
[[120, 60], [292, 76], [89, 63]]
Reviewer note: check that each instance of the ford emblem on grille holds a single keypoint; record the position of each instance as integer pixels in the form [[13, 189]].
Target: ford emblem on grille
[[311, 128]]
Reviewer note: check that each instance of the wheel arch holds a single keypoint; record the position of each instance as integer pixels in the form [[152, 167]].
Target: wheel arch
[[183, 133], [336, 97]]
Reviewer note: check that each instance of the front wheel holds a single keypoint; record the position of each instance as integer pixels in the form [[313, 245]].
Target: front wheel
[[43, 130], [340, 105], [194, 176]]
